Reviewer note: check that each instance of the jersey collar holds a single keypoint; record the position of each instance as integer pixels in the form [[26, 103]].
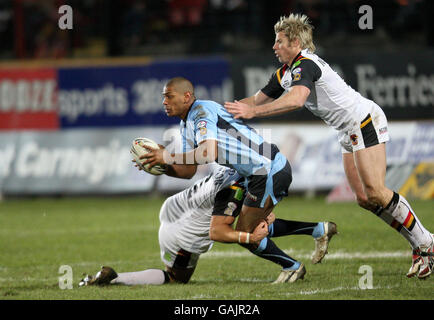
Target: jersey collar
[[189, 109], [298, 56]]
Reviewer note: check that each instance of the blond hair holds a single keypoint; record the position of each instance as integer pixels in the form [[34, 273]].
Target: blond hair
[[296, 26]]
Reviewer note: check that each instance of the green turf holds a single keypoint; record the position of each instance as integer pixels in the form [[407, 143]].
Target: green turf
[[37, 236]]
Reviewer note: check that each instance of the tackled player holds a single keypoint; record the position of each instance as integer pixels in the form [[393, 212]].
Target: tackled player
[[186, 233]]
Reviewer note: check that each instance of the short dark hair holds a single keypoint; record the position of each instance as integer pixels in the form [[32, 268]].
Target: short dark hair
[[181, 84]]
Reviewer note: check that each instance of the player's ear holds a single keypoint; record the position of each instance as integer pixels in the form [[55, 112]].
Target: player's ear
[[295, 42], [187, 96]]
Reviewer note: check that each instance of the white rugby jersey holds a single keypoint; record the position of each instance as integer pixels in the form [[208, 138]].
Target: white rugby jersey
[[330, 97], [192, 208]]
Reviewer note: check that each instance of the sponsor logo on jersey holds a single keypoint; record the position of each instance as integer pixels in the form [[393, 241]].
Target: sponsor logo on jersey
[[201, 124], [230, 209], [296, 74], [296, 70], [382, 130], [354, 139], [239, 194]]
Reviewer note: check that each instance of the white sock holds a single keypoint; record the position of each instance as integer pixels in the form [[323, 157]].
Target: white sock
[[386, 217], [150, 276], [406, 222]]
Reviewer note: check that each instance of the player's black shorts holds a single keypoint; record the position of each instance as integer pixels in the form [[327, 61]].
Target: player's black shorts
[[228, 202], [260, 187]]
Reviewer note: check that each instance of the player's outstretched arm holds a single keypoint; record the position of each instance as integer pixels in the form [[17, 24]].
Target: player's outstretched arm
[[294, 99], [257, 99]]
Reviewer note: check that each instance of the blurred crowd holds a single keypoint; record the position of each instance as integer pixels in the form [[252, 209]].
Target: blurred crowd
[[29, 28]]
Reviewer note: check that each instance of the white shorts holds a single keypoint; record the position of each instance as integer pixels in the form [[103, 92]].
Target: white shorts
[[366, 132], [170, 249]]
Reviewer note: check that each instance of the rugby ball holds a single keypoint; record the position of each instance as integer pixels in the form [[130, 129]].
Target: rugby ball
[[138, 149]]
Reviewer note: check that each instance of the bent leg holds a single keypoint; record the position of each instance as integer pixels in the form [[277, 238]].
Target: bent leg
[[250, 216], [267, 249], [371, 167], [181, 275], [154, 276], [145, 277], [355, 183], [281, 227], [179, 268]]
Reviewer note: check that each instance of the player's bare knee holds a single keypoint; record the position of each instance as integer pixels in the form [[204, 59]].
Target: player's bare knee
[[374, 196]]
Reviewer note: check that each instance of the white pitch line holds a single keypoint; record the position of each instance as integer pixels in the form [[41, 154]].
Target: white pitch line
[[309, 292], [339, 255], [26, 279], [322, 291], [83, 264], [82, 230]]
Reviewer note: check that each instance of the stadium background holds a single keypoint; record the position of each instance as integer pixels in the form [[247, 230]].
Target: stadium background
[[71, 101]]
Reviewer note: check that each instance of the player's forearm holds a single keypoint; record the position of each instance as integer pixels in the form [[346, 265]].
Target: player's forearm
[[257, 99], [225, 233], [205, 153], [294, 99], [249, 100], [276, 107]]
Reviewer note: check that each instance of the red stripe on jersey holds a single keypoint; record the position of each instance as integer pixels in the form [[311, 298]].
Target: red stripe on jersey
[[300, 57]]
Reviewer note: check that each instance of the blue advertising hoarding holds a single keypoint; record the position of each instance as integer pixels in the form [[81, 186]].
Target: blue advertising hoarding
[[131, 95]]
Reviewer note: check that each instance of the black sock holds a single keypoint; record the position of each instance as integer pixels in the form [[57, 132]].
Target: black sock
[[268, 250], [282, 227]]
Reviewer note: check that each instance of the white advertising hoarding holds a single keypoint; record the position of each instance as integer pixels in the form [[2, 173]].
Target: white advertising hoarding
[[98, 160]]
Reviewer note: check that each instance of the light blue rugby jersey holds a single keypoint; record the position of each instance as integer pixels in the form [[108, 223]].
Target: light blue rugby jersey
[[239, 146]]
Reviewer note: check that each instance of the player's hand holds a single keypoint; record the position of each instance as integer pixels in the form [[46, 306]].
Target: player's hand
[[260, 232], [136, 165], [240, 110], [153, 157]]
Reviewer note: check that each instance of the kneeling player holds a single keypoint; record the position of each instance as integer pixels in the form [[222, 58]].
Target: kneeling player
[[185, 231]]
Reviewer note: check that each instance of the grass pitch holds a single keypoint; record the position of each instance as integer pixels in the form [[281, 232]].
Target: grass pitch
[[38, 236]]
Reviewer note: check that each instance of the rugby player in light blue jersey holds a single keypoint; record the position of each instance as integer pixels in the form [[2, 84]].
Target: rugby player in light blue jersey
[[211, 134]]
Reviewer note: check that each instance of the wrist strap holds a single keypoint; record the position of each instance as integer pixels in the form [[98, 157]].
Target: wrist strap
[[247, 240]]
